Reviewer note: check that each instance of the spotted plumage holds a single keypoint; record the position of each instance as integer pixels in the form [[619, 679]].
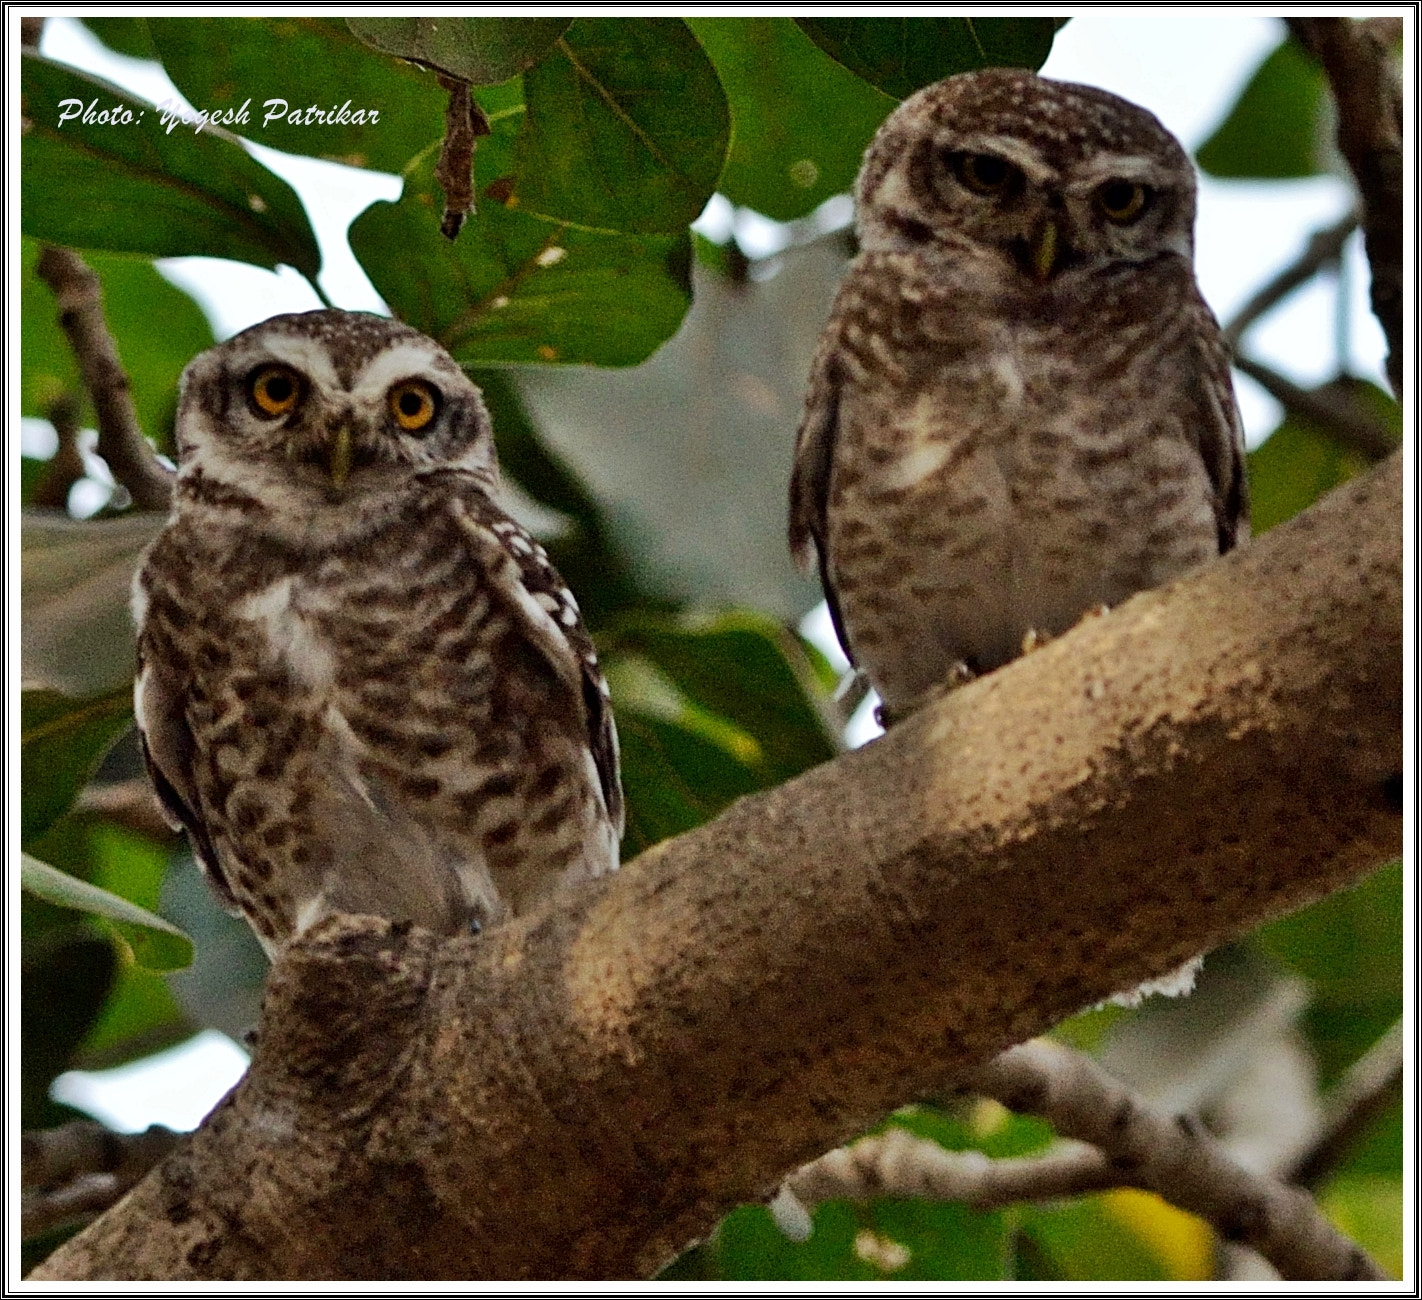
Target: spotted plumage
[[362, 685], [1021, 407]]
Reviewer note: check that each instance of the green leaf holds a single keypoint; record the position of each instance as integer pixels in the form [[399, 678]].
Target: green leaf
[[32, 473], [226, 64], [687, 453], [674, 775], [65, 977], [901, 54], [1370, 1210], [76, 631], [1292, 468], [140, 1016], [747, 670], [1350, 945], [1082, 1242], [155, 943], [61, 743], [478, 50], [516, 288], [128, 36], [708, 709], [592, 559], [157, 326], [885, 1240], [626, 128], [981, 1126], [800, 121], [1276, 130], [135, 187]]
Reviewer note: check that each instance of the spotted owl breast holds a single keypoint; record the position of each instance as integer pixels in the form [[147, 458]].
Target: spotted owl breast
[[984, 488]]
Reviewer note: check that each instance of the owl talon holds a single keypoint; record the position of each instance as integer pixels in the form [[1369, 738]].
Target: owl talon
[[958, 675]]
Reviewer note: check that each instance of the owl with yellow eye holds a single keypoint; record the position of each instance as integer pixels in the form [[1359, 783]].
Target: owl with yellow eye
[[362, 686]]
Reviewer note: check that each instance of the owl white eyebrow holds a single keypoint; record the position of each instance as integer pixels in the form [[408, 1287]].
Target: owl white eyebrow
[[399, 362], [309, 356], [1018, 152], [1120, 167]]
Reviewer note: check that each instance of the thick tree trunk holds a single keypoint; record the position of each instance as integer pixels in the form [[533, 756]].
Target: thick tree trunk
[[583, 1094]]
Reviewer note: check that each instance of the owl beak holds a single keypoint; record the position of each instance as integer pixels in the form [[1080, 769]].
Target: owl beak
[[341, 455], [1044, 251]]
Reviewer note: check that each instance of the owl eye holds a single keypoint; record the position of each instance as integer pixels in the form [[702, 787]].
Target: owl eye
[[414, 404], [1123, 201], [984, 173], [275, 390]]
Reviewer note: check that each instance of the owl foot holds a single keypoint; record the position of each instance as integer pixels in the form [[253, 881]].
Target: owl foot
[[1034, 640], [958, 675]]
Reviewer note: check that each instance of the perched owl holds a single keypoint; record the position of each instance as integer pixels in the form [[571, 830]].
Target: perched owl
[[1021, 408], [362, 687]]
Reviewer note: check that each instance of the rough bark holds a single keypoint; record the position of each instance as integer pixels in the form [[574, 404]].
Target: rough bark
[[80, 298], [1362, 69], [584, 1093]]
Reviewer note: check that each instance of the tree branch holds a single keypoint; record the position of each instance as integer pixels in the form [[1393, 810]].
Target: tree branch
[[1324, 248], [66, 467], [79, 1169], [1122, 1143], [584, 1092], [81, 316], [896, 1163], [1175, 1158], [1366, 1091], [1332, 407], [1366, 86]]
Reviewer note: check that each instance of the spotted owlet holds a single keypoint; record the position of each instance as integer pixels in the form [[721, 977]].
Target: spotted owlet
[[1021, 408], [362, 686]]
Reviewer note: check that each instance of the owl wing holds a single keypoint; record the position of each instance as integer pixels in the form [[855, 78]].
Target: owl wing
[[520, 572], [810, 474], [169, 753], [1218, 433]]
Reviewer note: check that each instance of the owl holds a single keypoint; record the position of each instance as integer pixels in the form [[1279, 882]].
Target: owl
[[362, 686], [1021, 408]]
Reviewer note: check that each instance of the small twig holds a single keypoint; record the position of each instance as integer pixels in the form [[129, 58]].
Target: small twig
[[78, 1170], [1359, 64], [132, 804], [1331, 407], [1323, 249], [1173, 1157], [1371, 1085], [895, 1163], [1119, 1142], [464, 122], [66, 466], [121, 442]]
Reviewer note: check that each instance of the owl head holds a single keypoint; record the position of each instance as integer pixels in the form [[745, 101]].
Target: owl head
[[1042, 178], [325, 408]]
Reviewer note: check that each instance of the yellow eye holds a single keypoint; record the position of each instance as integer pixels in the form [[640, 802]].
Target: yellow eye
[[1122, 201], [985, 173], [413, 404], [275, 390]]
